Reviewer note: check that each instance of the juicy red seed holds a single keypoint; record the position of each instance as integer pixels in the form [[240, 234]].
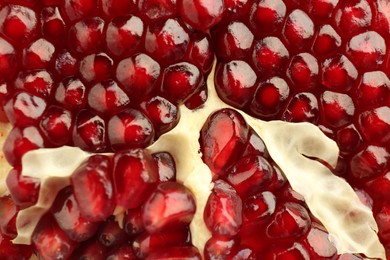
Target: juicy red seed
[[132, 222], [383, 220], [52, 24], [8, 213], [318, 244], [369, 163], [67, 214], [353, 16], [373, 90], [50, 242], [124, 35], [96, 67], [86, 36], [298, 29], [242, 253], [302, 107], [21, 141], [200, 52], [236, 8], [36, 82], [294, 251], [76, 9], [255, 145], [303, 72], [219, 247], [91, 249], [93, 188], [337, 109], [110, 234], [71, 94], [259, 206], [327, 41], [24, 190], [233, 41], [167, 40], [348, 139], [135, 177], [124, 252], [180, 81], [114, 8], [250, 175], [157, 9], [321, 9], [289, 220], [166, 166], [379, 188], [338, 73], [367, 50], [198, 98], [138, 75], [223, 137], [66, 64], [38, 55], [24, 109], [18, 23], [56, 125], [267, 16], [375, 125], [8, 60], [9, 250], [130, 129], [270, 97], [89, 132], [162, 113], [107, 98], [235, 82], [146, 243], [202, 15], [169, 207], [176, 253], [270, 56], [223, 212]]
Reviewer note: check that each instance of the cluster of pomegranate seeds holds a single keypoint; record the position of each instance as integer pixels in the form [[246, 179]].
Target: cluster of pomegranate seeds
[[318, 61], [252, 212]]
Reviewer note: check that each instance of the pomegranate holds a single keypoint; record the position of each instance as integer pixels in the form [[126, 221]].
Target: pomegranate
[[123, 141]]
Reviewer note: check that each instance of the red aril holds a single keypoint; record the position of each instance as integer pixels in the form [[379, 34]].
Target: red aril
[[24, 190]]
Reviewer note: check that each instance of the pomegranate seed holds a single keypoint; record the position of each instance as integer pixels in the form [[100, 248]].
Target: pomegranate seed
[[71, 94], [146, 243], [267, 16], [302, 107], [55, 125], [124, 35], [373, 90], [370, 162], [66, 64], [170, 206], [295, 251], [379, 188], [36, 82], [223, 137], [67, 214], [52, 24], [353, 16], [375, 125], [38, 55], [219, 247], [110, 234], [176, 253], [235, 82], [236, 8], [24, 109], [125, 252], [250, 175], [91, 249], [107, 98], [130, 129], [242, 253], [93, 188], [50, 242], [202, 15], [255, 145], [138, 75], [166, 166], [348, 139], [18, 23], [163, 114], [21, 141], [259, 206], [383, 220], [135, 177], [303, 72], [86, 36], [180, 81], [298, 29], [89, 132], [318, 244], [76, 9], [133, 223], [96, 67], [167, 40], [114, 8], [338, 109], [8, 213], [200, 53], [8, 60], [156, 9], [198, 98], [9, 250], [223, 212], [24, 190], [327, 41], [290, 220]]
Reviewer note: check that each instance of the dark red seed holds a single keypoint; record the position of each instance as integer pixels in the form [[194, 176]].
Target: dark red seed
[[8, 60], [71, 94], [302, 107], [375, 125], [96, 67], [200, 52], [110, 234], [176, 253], [91, 249], [56, 125], [267, 16], [8, 213], [36, 82], [52, 24], [166, 166], [11, 251], [219, 247], [76, 9], [38, 55], [370, 162], [157, 9], [259, 206], [132, 222], [124, 252], [202, 15], [318, 244], [24, 190]]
